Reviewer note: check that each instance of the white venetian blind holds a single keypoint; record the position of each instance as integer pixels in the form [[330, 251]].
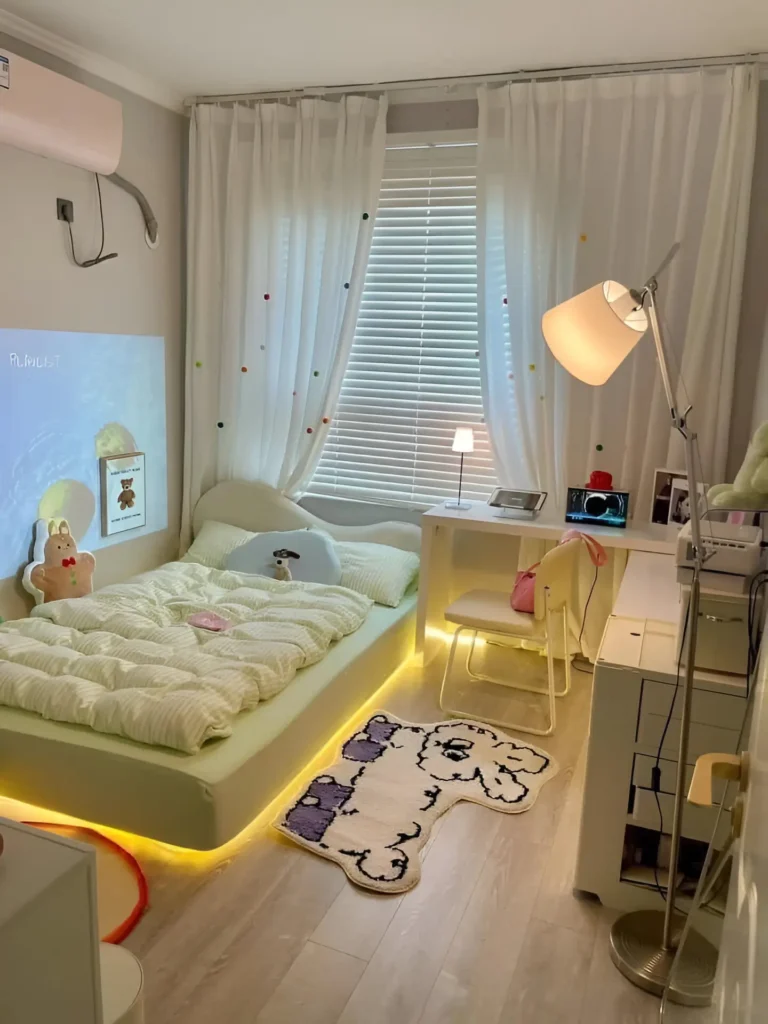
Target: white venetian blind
[[414, 374]]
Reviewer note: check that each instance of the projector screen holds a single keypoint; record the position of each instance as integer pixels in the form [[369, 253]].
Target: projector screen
[[66, 400]]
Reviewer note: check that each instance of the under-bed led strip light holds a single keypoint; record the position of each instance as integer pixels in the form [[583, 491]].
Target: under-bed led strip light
[[142, 846]]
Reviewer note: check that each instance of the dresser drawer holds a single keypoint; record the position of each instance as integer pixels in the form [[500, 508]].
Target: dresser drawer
[[642, 776], [698, 822], [716, 719]]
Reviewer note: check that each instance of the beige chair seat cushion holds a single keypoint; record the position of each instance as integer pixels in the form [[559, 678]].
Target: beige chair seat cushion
[[491, 610]]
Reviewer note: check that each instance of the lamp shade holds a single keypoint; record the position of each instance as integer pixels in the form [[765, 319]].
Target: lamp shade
[[594, 332], [463, 440]]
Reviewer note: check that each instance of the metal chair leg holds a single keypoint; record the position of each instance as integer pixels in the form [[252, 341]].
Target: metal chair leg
[[449, 665], [566, 653], [550, 691], [547, 645], [479, 677], [469, 656], [550, 666]]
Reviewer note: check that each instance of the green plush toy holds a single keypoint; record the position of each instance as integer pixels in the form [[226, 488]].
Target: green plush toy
[[750, 488]]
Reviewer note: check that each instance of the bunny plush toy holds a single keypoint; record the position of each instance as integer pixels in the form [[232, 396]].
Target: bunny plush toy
[[62, 571]]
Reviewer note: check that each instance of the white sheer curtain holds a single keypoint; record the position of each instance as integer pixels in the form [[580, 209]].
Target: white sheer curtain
[[282, 201], [583, 180]]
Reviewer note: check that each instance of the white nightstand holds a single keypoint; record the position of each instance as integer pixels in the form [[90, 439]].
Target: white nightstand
[[52, 966]]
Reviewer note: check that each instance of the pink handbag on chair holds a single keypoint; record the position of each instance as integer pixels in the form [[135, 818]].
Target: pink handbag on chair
[[524, 590]]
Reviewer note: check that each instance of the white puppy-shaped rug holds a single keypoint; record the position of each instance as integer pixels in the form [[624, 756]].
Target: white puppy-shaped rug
[[372, 811]]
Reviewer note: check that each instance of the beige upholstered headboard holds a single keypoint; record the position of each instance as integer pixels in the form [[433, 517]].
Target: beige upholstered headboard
[[259, 508]]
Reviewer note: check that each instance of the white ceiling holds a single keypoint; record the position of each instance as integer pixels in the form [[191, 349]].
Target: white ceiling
[[216, 46]]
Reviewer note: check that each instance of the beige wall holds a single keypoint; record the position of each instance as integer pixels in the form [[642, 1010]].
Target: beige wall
[[139, 293]]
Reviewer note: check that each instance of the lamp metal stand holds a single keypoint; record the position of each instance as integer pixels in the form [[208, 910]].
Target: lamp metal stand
[[644, 943], [459, 503]]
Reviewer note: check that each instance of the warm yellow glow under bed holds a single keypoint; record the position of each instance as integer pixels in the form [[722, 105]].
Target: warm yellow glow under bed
[[211, 801]]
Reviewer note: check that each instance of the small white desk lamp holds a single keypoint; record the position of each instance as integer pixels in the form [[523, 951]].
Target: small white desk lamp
[[463, 441], [590, 335]]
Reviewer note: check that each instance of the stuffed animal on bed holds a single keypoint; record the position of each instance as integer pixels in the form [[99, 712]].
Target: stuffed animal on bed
[[58, 569], [283, 558], [750, 488]]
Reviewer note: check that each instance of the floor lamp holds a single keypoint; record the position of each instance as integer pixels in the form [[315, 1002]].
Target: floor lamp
[[463, 442], [590, 335]]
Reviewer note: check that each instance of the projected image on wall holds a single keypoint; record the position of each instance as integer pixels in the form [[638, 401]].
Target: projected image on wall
[[66, 400]]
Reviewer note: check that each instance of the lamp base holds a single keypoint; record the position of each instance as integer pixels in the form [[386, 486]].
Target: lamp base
[[636, 949], [463, 505]]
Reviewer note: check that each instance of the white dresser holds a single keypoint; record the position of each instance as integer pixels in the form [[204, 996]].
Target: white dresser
[[634, 684], [53, 969]]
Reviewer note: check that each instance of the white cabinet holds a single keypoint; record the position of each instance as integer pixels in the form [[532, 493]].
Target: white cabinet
[[634, 686], [49, 944], [53, 969]]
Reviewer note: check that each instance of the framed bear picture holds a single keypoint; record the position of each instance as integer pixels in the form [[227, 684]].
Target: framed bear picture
[[123, 494]]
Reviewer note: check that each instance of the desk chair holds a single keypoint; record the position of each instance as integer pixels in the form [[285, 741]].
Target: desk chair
[[490, 611]]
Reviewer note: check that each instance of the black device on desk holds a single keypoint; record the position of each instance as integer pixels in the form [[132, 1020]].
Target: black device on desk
[[597, 508]]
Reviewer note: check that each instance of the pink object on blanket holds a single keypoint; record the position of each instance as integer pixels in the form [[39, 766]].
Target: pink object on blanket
[[210, 621]]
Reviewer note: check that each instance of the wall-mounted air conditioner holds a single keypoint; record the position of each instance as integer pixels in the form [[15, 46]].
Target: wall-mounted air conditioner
[[53, 116]]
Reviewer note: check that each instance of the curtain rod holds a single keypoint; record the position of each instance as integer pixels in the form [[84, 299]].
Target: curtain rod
[[594, 70]]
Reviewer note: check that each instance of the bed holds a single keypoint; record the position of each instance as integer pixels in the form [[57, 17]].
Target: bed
[[201, 801]]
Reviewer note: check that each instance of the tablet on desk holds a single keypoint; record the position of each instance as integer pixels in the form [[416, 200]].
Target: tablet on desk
[[514, 502]]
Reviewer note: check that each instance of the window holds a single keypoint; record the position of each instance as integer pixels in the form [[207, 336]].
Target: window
[[414, 374]]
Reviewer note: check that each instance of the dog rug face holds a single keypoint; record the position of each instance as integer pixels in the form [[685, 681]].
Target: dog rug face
[[372, 811]]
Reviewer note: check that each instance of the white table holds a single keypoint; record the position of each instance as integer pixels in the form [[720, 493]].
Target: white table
[[440, 524]]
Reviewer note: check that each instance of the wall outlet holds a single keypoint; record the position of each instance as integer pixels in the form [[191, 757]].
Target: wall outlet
[[65, 210]]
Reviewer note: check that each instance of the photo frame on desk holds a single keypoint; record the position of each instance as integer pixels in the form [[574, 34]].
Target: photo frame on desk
[[670, 494], [679, 502], [662, 494], [123, 493]]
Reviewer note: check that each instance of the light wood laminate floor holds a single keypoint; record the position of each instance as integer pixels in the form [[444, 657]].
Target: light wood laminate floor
[[492, 933]]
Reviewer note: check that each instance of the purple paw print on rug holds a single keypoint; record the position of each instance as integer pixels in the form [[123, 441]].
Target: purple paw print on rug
[[371, 742], [312, 815]]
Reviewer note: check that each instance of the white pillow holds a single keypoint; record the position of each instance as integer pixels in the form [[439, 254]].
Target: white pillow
[[379, 571], [214, 543]]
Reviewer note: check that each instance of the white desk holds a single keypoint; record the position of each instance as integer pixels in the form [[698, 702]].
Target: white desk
[[439, 524], [649, 589]]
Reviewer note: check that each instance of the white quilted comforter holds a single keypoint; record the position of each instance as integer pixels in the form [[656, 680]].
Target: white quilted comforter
[[126, 661]]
